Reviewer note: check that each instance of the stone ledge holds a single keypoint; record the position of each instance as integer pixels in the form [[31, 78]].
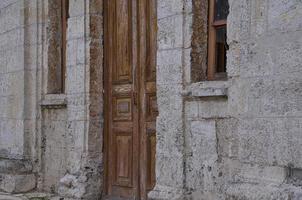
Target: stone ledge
[[54, 101], [207, 89]]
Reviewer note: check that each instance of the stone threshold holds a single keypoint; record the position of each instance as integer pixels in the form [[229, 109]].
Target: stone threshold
[[116, 198]]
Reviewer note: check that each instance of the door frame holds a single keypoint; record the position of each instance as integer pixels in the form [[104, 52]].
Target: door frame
[[141, 6], [105, 92]]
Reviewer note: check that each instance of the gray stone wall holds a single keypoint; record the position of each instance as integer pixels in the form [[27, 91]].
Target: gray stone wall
[[18, 68], [12, 79], [79, 165], [50, 142], [240, 138], [234, 139]]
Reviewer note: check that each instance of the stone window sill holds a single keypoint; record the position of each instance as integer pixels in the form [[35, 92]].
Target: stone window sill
[[54, 101], [207, 89]]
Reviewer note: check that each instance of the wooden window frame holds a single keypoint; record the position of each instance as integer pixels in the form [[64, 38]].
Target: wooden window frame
[[212, 26]]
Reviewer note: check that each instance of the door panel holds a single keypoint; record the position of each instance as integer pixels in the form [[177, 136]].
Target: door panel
[[120, 90], [123, 159], [123, 14], [130, 97]]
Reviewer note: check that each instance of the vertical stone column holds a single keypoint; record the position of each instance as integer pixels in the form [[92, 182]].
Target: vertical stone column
[[84, 86], [20, 31], [170, 124]]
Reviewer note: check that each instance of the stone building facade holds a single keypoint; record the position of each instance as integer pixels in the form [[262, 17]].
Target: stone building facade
[[237, 138]]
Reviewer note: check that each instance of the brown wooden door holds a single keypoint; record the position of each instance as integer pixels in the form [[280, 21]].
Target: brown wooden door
[[130, 94]]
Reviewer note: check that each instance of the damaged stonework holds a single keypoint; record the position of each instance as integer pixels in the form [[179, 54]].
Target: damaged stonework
[[239, 138], [84, 175], [49, 141], [16, 176]]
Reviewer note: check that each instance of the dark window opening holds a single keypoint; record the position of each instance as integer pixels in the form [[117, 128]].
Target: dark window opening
[[221, 9]]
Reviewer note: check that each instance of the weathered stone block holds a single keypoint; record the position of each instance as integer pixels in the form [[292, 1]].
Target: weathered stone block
[[17, 183], [8, 166], [54, 153], [169, 67], [166, 193], [76, 8], [170, 33], [284, 16], [168, 8]]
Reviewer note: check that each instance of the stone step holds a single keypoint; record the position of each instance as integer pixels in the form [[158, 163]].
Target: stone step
[[10, 197], [29, 196]]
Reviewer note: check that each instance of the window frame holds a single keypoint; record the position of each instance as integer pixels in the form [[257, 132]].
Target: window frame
[[213, 25]]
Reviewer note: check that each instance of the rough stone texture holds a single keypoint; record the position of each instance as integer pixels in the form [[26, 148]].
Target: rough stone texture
[[54, 147], [241, 137], [11, 79], [254, 137], [17, 183], [18, 103], [16, 176], [84, 86], [170, 123], [219, 140], [198, 30], [83, 174], [47, 139]]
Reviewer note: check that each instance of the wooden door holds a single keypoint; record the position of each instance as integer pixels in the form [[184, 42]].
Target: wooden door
[[130, 94]]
